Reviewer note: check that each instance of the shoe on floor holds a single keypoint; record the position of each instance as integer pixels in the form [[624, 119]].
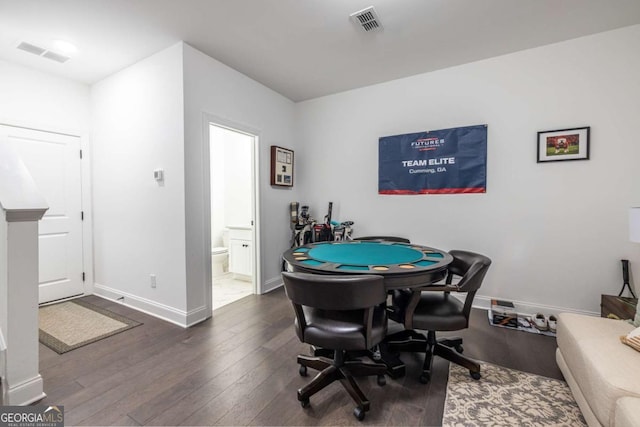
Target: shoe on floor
[[553, 322], [540, 322]]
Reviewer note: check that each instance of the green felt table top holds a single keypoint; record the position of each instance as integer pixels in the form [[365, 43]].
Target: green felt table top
[[403, 265], [365, 253]]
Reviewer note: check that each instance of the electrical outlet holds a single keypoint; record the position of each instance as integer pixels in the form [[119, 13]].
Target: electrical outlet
[[153, 280]]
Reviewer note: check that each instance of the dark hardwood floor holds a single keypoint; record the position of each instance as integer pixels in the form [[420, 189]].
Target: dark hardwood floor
[[239, 368]]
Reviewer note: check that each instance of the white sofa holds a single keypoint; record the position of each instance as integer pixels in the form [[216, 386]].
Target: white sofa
[[602, 372]]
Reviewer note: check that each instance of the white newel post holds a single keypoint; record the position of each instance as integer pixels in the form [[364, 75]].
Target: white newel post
[[21, 206]]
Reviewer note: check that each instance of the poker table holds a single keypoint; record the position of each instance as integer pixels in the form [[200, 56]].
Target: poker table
[[402, 265]]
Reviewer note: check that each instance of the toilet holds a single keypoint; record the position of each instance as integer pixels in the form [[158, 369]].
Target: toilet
[[220, 256]]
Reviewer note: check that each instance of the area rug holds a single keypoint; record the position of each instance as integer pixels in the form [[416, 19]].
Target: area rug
[[505, 397], [73, 324]]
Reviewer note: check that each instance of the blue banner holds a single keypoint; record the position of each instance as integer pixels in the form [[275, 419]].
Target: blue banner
[[447, 161]]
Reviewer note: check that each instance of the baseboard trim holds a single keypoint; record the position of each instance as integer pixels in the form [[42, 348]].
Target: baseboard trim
[[272, 284], [25, 393], [481, 302], [523, 307], [197, 315], [200, 314], [152, 308]]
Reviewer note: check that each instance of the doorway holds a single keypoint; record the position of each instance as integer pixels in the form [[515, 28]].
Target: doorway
[[233, 206]]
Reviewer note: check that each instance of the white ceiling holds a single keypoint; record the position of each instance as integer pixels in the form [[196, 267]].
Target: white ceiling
[[300, 48]]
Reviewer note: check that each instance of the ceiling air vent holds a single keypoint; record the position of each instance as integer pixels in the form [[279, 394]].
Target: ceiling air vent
[[367, 18], [28, 47], [55, 56], [42, 52]]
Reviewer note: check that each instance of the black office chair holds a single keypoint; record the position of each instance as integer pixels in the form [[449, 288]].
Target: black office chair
[[384, 238], [427, 309], [342, 313]]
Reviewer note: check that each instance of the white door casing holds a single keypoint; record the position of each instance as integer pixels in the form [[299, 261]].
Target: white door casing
[[210, 120], [54, 162]]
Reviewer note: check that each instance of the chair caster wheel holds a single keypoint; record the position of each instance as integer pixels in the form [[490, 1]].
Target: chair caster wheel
[[382, 380], [459, 349], [358, 412], [475, 375], [305, 403], [425, 378], [302, 371]]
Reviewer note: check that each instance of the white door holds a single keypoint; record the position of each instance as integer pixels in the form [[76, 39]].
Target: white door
[[54, 163]]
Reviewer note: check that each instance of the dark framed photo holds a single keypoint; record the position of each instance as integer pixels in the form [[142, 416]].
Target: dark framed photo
[[563, 144], [281, 166]]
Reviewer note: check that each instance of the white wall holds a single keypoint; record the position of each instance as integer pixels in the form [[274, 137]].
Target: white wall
[[139, 224], [555, 231], [237, 207], [34, 99], [151, 115], [213, 88]]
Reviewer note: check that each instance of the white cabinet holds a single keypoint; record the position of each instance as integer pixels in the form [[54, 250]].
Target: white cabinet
[[240, 251]]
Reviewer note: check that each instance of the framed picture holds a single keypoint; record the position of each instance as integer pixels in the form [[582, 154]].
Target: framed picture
[[281, 166], [563, 144]]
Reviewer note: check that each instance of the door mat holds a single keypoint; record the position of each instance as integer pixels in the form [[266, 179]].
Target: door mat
[[72, 324], [506, 397]]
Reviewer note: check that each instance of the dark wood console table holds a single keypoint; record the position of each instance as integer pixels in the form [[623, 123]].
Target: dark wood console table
[[616, 307]]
